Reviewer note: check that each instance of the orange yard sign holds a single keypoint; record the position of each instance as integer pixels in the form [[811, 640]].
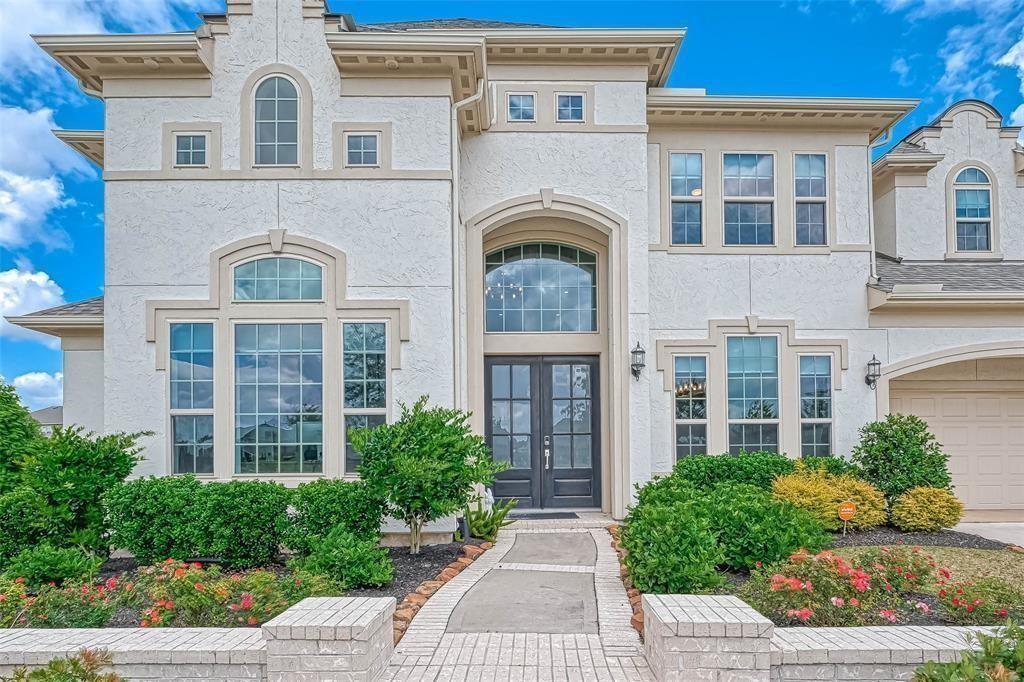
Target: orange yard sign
[[847, 510]]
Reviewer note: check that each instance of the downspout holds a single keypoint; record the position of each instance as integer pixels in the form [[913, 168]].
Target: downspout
[[886, 136], [458, 340]]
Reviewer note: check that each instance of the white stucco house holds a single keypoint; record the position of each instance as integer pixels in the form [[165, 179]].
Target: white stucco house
[[310, 220]]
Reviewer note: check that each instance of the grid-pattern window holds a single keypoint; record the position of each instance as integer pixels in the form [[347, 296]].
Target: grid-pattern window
[[811, 190], [572, 423], [691, 411], [570, 107], [278, 279], [365, 381], [511, 415], [277, 122], [361, 149], [191, 375], [278, 398], [353, 458], [541, 288], [748, 185], [686, 181], [520, 107], [190, 150], [752, 366], [815, 405], [972, 195]]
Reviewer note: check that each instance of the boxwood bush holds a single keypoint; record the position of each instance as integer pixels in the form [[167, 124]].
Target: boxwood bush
[[321, 506], [349, 560], [44, 564], [926, 509], [754, 468], [671, 548]]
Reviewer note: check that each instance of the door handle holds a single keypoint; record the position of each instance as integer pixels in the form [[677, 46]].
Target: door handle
[[547, 452]]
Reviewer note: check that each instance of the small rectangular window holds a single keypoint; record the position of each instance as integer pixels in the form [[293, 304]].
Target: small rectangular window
[[191, 399], [815, 405], [686, 183], [361, 149], [569, 107], [973, 219], [520, 107], [190, 150], [691, 412], [752, 376], [811, 191], [365, 380], [748, 186]]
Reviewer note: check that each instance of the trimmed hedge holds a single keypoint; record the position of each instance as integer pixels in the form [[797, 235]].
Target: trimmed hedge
[[926, 509], [821, 494], [754, 468], [321, 506]]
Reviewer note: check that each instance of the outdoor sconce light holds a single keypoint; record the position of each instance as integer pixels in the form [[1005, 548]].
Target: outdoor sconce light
[[637, 365], [874, 371]]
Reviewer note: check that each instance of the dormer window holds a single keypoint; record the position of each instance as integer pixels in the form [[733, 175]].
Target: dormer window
[[972, 197], [277, 122]]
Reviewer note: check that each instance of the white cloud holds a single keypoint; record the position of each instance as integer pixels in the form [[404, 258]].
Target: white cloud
[[24, 204], [901, 68], [24, 292], [1014, 58], [29, 148], [40, 389]]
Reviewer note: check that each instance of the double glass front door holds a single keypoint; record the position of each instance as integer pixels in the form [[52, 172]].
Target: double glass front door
[[543, 419]]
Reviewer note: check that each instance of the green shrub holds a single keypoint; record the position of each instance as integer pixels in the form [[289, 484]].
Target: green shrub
[[671, 549], [753, 527], [19, 434], [244, 521], [821, 494], [349, 560], [837, 466], [998, 657], [25, 519], [754, 468], [424, 465], [73, 606], [157, 518], [665, 490], [73, 472], [321, 506], [926, 509], [85, 666], [985, 601], [44, 563], [899, 454]]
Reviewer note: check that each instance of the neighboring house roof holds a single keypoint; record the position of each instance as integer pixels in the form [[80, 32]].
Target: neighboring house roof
[[444, 24], [78, 315], [955, 277], [50, 416]]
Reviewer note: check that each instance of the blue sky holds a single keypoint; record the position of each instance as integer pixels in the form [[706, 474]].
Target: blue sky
[[51, 200]]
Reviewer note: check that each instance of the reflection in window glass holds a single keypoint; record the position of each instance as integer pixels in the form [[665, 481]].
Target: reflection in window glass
[[191, 400], [278, 279], [541, 288], [691, 416], [571, 417], [570, 108], [972, 196], [193, 444], [753, 393], [687, 187], [278, 398], [277, 123], [365, 365], [750, 177], [810, 191], [815, 405], [511, 427], [361, 150], [358, 421], [190, 150], [520, 107]]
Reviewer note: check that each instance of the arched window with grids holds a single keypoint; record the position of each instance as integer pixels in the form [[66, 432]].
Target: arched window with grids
[[276, 121], [972, 201]]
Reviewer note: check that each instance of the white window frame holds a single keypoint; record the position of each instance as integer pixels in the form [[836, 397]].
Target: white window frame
[[831, 397], [707, 404], [985, 187], [772, 200], [298, 123], [583, 107], [508, 104], [173, 412], [674, 198], [823, 200], [362, 411], [176, 135], [778, 389], [362, 133], [264, 256]]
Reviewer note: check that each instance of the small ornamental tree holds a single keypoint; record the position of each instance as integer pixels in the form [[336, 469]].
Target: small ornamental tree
[[19, 432], [424, 465], [899, 454]]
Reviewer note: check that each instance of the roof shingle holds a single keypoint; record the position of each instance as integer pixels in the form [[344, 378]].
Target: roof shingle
[[90, 307], [988, 277]]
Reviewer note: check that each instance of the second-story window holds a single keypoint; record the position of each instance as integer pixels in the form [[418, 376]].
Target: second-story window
[[972, 195], [810, 189], [278, 279], [520, 107], [361, 149], [569, 107], [687, 190], [277, 122], [190, 150], [748, 186]]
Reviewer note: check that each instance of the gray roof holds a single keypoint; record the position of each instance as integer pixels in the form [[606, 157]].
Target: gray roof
[[443, 24], [905, 147], [90, 307], [955, 276], [50, 415]]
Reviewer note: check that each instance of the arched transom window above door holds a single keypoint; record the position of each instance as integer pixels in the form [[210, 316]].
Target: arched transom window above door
[[540, 287]]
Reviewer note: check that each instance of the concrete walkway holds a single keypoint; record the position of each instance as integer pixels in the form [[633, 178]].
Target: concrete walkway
[[1010, 533], [545, 603]]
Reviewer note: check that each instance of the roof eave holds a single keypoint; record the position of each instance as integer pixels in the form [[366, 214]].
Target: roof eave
[[58, 325], [943, 299], [88, 143]]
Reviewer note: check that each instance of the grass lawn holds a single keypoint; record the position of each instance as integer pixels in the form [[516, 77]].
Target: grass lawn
[[969, 564]]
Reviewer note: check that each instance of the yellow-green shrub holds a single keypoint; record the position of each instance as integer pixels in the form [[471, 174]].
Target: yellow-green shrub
[[926, 509], [821, 494]]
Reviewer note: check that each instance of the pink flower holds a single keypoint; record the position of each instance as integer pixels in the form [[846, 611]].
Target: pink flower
[[888, 614], [922, 607], [854, 601], [837, 601], [802, 615], [111, 583], [246, 603]]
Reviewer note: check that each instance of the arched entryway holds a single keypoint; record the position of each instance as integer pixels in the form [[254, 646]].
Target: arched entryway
[[973, 400], [544, 292]]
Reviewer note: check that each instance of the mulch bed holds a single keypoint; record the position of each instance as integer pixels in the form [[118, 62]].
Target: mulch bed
[[413, 569], [885, 535]]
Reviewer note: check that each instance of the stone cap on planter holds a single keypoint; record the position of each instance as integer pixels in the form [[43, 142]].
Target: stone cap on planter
[[705, 615], [900, 644], [332, 618]]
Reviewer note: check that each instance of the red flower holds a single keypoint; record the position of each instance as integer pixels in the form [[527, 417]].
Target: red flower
[[888, 614], [199, 587]]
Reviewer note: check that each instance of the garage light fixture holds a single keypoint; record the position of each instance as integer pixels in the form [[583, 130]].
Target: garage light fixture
[[874, 371]]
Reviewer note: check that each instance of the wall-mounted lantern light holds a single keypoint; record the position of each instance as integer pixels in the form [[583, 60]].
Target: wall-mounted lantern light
[[637, 363], [874, 371]]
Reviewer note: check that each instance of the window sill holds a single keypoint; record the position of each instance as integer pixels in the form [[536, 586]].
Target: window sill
[[976, 256]]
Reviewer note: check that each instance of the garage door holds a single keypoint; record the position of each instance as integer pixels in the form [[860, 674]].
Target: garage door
[[983, 432]]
